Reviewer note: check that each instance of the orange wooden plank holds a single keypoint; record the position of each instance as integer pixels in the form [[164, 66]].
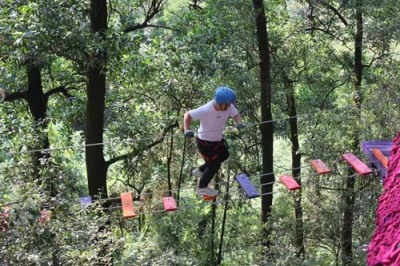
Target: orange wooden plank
[[320, 167], [357, 164], [381, 157], [289, 182], [169, 204], [127, 205], [209, 198]]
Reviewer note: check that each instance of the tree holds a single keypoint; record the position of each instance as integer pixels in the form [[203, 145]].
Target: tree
[[266, 127]]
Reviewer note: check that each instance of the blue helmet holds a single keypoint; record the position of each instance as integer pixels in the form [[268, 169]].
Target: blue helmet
[[224, 95]]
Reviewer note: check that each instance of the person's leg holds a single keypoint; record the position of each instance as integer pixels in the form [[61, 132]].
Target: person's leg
[[202, 167], [210, 153], [223, 151], [210, 170]]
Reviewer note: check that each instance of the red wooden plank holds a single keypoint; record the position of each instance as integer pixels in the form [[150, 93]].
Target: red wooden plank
[[289, 182], [357, 164], [127, 205], [381, 157], [169, 204], [320, 167]]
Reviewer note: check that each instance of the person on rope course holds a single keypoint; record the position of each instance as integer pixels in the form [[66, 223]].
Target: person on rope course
[[213, 117]]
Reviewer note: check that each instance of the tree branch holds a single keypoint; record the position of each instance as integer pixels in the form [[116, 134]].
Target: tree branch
[[10, 97], [334, 10], [137, 151], [154, 8], [61, 89]]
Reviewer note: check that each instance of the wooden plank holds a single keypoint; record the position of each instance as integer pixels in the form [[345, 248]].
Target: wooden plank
[[45, 216], [357, 164], [3, 219], [289, 182], [127, 205], [384, 146], [248, 187], [169, 204], [85, 201], [209, 198], [380, 157], [320, 167]]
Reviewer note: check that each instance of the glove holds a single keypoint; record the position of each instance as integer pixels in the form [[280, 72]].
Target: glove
[[240, 126], [189, 134]]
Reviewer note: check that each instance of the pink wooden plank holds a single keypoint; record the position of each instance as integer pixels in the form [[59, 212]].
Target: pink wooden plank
[[357, 164], [169, 204], [289, 182]]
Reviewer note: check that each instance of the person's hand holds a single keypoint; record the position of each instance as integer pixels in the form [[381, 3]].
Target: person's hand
[[240, 126], [189, 134]]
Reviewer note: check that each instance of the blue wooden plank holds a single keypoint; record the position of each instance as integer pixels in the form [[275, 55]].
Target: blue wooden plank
[[85, 201], [248, 187]]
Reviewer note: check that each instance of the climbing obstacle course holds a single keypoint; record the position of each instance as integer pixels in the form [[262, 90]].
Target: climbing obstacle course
[[248, 188], [384, 248]]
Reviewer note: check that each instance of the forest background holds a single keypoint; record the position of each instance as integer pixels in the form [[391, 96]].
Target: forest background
[[92, 99]]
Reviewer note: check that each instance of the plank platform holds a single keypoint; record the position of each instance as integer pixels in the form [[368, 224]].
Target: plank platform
[[320, 167], [127, 205], [289, 182], [248, 187], [360, 167], [169, 204]]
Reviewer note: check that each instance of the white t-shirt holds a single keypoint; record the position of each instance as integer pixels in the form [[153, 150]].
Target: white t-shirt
[[212, 122]]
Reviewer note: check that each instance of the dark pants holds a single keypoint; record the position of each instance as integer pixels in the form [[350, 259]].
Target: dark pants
[[214, 153]]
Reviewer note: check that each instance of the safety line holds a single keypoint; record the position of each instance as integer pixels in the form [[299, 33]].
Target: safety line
[[132, 141]]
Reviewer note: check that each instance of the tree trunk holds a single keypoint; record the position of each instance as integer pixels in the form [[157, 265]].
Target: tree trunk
[[37, 103], [348, 215], [296, 170], [96, 87], [266, 126]]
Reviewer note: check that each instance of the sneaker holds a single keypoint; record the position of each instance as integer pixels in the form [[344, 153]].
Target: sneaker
[[205, 191], [197, 172]]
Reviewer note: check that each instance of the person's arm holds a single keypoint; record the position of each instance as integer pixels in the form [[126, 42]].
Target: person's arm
[[238, 119], [187, 119]]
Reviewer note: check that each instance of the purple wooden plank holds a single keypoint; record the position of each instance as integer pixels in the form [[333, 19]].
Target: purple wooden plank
[[247, 186]]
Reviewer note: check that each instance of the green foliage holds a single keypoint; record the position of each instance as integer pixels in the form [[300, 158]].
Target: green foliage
[[153, 76]]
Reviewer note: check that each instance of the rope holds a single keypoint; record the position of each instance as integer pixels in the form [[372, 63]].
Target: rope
[[131, 141]]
